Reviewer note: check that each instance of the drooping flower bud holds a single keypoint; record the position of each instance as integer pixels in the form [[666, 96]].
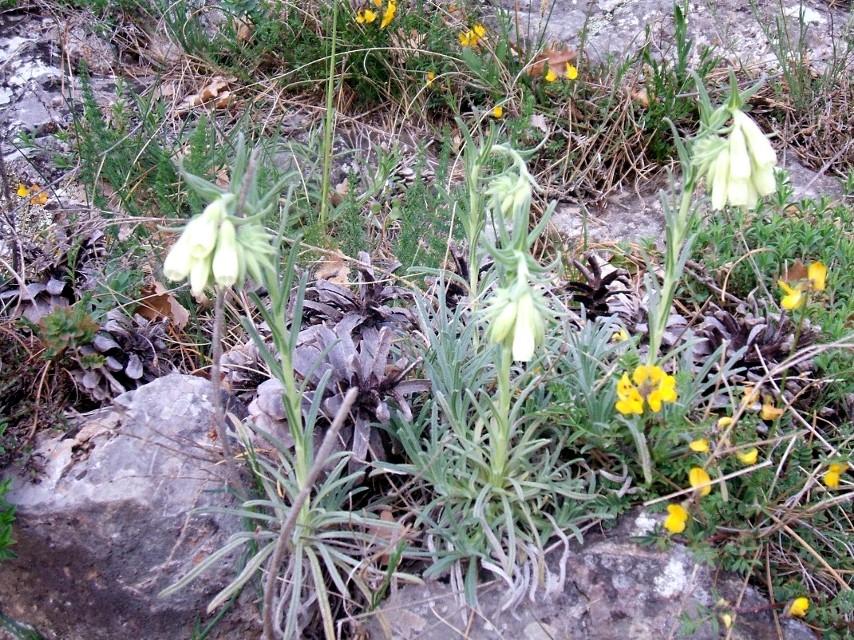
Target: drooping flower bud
[[178, 261], [200, 274], [226, 261]]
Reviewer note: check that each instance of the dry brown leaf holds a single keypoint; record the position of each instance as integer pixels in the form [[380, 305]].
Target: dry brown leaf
[[557, 59], [337, 195], [158, 303], [334, 269], [538, 121], [640, 96], [245, 28], [796, 272]]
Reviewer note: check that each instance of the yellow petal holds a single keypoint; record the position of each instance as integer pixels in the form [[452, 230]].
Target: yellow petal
[[698, 477], [793, 299], [388, 16], [675, 521], [620, 336], [22, 191], [700, 445], [40, 196], [551, 76], [726, 619], [571, 72], [667, 389], [466, 38], [497, 111], [817, 273], [641, 374], [831, 479], [724, 422], [799, 607], [748, 457], [431, 75], [479, 30], [770, 412], [624, 387], [631, 404]]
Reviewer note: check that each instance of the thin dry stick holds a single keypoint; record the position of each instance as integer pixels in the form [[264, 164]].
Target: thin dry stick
[[219, 413], [291, 521]]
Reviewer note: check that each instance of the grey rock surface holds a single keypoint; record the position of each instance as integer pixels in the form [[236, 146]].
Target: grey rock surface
[[615, 589], [109, 524]]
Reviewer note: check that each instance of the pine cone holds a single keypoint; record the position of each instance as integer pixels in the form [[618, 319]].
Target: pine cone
[[125, 354]]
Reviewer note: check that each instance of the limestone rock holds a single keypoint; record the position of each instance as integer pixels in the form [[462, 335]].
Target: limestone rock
[[615, 588], [109, 524]]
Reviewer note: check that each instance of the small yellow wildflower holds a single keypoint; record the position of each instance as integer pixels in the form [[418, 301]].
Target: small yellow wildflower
[[40, 196], [571, 72], [651, 384], [366, 16], [724, 422], [22, 191], [726, 619], [388, 16], [748, 457], [769, 411], [620, 336], [698, 477], [431, 75], [479, 30], [497, 111], [676, 519], [630, 400], [467, 38], [833, 475], [550, 76], [700, 445], [377, 3], [799, 607], [794, 297]]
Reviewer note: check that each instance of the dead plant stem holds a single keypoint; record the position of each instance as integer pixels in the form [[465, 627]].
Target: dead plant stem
[[305, 491]]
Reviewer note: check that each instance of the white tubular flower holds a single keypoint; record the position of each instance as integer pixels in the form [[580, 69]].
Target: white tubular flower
[[739, 160], [530, 328], [741, 169], [761, 151], [178, 262], [200, 274], [226, 261], [202, 230], [719, 176], [512, 192], [505, 310]]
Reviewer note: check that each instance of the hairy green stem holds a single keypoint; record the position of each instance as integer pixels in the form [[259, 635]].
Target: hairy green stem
[[501, 433]]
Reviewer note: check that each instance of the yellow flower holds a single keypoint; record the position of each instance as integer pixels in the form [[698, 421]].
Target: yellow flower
[[748, 457], [651, 384], [726, 619], [834, 475], [366, 16], [620, 336], [698, 477], [497, 111], [377, 3], [769, 411], [724, 422], [799, 607], [431, 75], [700, 446], [22, 191], [551, 76], [794, 297], [817, 273], [676, 519], [479, 30], [388, 16], [571, 72], [467, 38]]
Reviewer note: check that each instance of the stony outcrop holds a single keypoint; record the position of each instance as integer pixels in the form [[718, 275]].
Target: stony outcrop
[[110, 523], [615, 588]]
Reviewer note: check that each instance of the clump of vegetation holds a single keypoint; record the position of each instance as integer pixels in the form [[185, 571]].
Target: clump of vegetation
[[435, 391]]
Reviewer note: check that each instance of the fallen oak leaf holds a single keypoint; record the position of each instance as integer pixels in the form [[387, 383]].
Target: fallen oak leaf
[[556, 59], [157, 303]]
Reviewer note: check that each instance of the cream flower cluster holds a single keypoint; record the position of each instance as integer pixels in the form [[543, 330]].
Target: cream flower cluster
[[215, 244], [516, 316], [740, 168]]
